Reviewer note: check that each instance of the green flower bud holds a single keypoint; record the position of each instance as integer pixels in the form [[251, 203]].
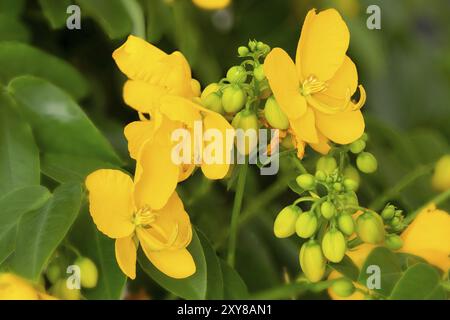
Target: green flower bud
[[274, 115], [357, 146], [252, 45], [213, 87], [260, 45], [284, 225], [60, 290], [366, 162], [233, 99], [213, 102], [237, 74], [388, 212], [89, 272], [364, 137], [370, 228], [326, 164], [334, 245], [259, 73], [327, 209], [242, 51], [312, 261], [306, 224], [246, 120], [306, 181], [350, 184], [53, 272], [337, 186], [393, 242], [351, 173], [343, 287], [346, 224], [320, 175]]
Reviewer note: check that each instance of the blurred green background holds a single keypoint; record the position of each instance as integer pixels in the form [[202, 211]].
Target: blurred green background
[[404, 67]]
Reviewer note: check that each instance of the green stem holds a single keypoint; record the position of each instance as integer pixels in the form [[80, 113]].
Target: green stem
[[392, 192], [441, 197], [235, 214], [298, 164]]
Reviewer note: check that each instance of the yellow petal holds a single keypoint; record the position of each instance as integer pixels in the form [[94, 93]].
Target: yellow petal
[[173, 214], [13, 287], [322, 146], [343, 127], [143, 97], [428, 236], [211, 4], [284, 82], [342, 85], [177, 264], [111, 202], [138, 132], [186, 171], [180, 109], [137, 58], [305, 127], [126, 256], [218, 168], [323, 42], [156, 174]]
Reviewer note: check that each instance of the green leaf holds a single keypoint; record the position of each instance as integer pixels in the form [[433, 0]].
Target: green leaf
[[193, 287], [234, 287], [12, 7], [111, 15], [19, 155], [214, 273], [100, 249], [12, 29], [55, 11], [159, 18], [63, 131], [136, 15], [19, 59], [13, 205], [347, 268], [390, 269], [41, 231], [420, 282]]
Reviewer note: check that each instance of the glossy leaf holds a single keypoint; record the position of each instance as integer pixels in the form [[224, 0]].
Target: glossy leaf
[[19, 155], [19, 59], [61, 128], [347, 268], [193, 287], [55, 11], [214, 273], [41, 231], [13, 205], [420, 282]]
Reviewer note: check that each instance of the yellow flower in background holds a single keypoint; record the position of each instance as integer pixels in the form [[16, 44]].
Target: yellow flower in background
[[212, 4], [441, 176], [315, 92], [161, 85], [13, 287], [119, 208], [428, 237]]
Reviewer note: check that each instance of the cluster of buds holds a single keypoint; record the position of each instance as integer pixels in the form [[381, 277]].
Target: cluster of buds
[[333, 216]]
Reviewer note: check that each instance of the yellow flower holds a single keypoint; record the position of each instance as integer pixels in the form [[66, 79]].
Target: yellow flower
[[441, 176], [120, 209], [315, 92], [212, 4], [13, 287], [427, 237], [161, 85]]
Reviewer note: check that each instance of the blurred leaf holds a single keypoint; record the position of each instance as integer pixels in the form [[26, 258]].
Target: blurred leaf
[[420, 282], [347, 268], [136, 14], [55, 11], [214, 278], [100, 249], [12, 29], [111, 15], [13, 205], [19, 155], [12, 7], [41, 231], [191, 288], [390, 270], [234, 287], [18, 59], [158, 19], [61, 128]]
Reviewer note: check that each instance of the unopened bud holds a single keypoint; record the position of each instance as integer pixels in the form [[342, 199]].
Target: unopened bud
[[346, 224], [284, 225], [393, 242], [213, 102], [326, 164], [89, 272], [343, 287], [320, 175], [60, 290], [369, 227], [357, 146], [233, 99], [312, 261], [388, 212], [242, 51], [366, 162], [236, 74], [306, 224], [350, 185], [259, 73], [274, 115], [246, 120], [306, 181], [327, 209], [334, 245]]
